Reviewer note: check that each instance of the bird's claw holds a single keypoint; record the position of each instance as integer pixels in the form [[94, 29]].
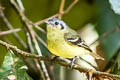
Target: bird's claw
[[72, 62]]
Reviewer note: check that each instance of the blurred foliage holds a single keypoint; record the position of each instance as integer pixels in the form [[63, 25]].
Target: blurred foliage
[[107, 21], [116, 66], [115, 5], [2, 53], [83, 11], [13, 69]]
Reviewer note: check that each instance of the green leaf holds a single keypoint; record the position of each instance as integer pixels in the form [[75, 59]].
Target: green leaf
[[13, 69], [107, 21]]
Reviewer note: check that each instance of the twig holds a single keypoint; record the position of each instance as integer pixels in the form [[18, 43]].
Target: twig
[[10, 31], [20, 5], [24, 18], [99, 39], [61, 9], [28, 25], [41, 40], [61, 61], [41, 21], [70, 6], [27, 22], [56, 15], [40, 54], [29, 42], [11, 27], [19, 29], [39, 28], [33, 50]]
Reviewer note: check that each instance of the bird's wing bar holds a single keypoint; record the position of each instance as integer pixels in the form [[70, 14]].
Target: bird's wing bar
[[76, 40]]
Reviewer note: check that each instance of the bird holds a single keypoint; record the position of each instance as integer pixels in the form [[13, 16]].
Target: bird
[[65, 42]]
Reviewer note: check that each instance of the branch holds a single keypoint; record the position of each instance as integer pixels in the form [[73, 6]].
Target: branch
[[19, 29], [28, 24], [39, 28], [56, 15], [60, 61], [41, 21], [37, 36], [10, 31], [70, 6], [61, 9], [11, 27]]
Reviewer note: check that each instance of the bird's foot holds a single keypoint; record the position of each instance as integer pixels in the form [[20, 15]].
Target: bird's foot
[[72, 62], [90, 74], [54, 58]]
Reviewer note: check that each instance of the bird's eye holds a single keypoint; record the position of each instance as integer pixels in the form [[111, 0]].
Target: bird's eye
[[56, 23]]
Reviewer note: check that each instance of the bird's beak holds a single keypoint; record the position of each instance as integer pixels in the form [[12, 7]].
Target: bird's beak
[[46, 21]]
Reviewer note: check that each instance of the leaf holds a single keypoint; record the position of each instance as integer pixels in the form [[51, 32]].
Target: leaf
[[13, 69], [115, 5], [107, 21]]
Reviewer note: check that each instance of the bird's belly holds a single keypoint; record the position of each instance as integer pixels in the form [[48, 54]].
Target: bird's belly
[[65, 50]]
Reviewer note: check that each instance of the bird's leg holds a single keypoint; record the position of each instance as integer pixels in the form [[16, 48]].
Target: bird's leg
[[54, 58], [90, 74], [72, 62]]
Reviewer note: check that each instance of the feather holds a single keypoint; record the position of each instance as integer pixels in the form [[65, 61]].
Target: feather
[[96, 56], [74, 39]]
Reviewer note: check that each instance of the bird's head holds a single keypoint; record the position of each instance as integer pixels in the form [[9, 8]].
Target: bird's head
[[56, 24]]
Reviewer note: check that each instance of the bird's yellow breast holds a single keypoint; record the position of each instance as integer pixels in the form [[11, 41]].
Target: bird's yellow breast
[[59, 47]]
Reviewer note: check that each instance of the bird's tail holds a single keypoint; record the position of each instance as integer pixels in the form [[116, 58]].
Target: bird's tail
[[96, 56]]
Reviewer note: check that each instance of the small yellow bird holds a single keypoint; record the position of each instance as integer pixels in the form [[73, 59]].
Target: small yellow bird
[[64, 42]]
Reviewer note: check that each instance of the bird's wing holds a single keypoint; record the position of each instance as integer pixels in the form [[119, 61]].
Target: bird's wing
[[74, 39]]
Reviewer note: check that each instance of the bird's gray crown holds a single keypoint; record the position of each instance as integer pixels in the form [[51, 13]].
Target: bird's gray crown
[[56, 22]]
